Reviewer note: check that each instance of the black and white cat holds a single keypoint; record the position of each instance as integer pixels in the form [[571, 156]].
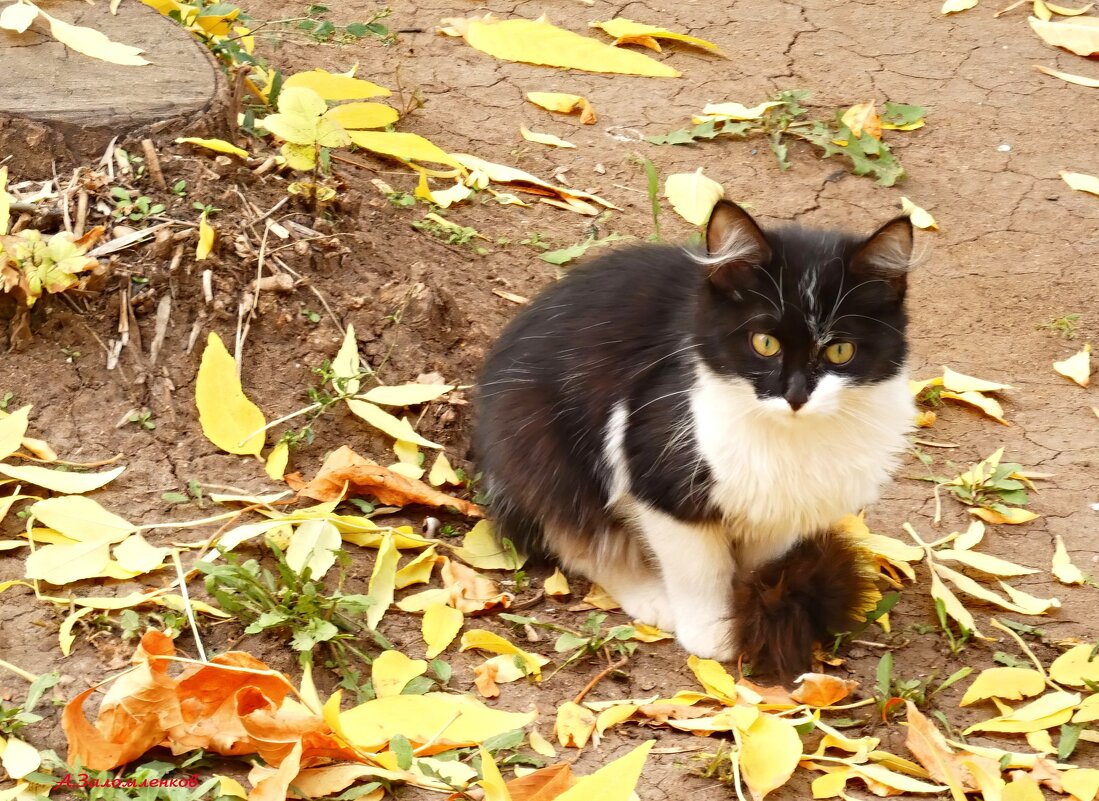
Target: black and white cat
[[663, 420]]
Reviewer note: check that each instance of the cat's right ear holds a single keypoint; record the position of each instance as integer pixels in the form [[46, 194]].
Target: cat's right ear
[[735, 244]]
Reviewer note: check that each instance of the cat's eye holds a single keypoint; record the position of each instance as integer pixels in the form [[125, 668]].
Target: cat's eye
[[765, 344], [840, 352]]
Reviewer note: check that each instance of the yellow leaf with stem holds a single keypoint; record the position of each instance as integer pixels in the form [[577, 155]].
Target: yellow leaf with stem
[[626, 31], [919, 216], [952, 606], [736, 112], [442, 473], [492, 783], [406, 394], [1007, 683], [64, 564], [1079, 36], [484, 640], [331, 86], [956, 6], [693, 195], [60, 481], [387, 423], [984, 562], [206, 238], [989, 406], [82, 519], [91, 42], [714, 678], [959, 382], [1012, 516], [17, 17], [357, 116], [1078, 366], [770, 750], [1075, 667], [228, 418], [418, 571], [392, 670], [1052, 709], [277, 459], [539, 42], [557, 584], [19, 759], [407, 147], [574, 725], [440, 625], [481, 549], [383, 580], [543, 138], [136, 555]]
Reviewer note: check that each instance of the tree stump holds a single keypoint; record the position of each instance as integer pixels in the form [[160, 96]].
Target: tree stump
[[59, 106]]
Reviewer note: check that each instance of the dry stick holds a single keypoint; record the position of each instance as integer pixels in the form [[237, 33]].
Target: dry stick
[[152, 163], [81, 213], [244, 321], [18, 671], [187, 605], [609, 669]]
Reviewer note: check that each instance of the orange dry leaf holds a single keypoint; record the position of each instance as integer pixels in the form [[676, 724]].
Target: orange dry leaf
[[470, 592], [485, 679], [564, 104], [238, 711], [542, 785], [863, 118], [344, 473], [819, 689], [942, 763]]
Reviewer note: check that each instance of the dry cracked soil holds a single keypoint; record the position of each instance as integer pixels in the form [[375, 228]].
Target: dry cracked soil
[[1016, 248]]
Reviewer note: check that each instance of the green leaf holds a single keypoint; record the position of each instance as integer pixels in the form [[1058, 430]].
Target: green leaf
[[508, 741], [442, 670], [418, 686], [402, 749], [268, 620], [317, 631], [570, 642], [40, 685], [1070, 736], [902, 114], [686, 136], [566, 255], [885, 675]]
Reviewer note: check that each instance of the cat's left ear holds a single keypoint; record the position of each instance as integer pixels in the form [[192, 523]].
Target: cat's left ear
[[887, 254]]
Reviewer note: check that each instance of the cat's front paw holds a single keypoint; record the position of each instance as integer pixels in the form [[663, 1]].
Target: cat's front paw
[[652, 608], [712, 639]]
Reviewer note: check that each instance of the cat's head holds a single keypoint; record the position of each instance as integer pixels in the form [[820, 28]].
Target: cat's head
[[803, 315]]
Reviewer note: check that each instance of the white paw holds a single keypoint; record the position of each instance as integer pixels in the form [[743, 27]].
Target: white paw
[[709, 639], [652, 608]]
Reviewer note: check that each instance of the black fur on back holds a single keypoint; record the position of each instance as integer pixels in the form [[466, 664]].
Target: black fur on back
[[784, 608]]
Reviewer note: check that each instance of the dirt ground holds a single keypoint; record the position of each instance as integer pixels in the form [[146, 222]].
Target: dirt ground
[[1016, 247]]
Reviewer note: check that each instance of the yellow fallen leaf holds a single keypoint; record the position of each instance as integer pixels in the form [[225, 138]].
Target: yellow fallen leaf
[[984, 562], [481, 549], [217, 145], [955, 6], [357, 116], [82, 519], [448, 721], [599, 598], [1006, 683], [136, 555], [392, 670], [64, 482], [525, 182], [419, 570], [484, 640], [1012, 516], [91, 42], [1074, 668], [1065, 11], [228, 418], [1022, 788], [1075, 35], [230, 787], [574, 725], [345, 367], [65, 635], [1041, 742], [439, 627], [953, 607], [19, 759], [12, 430], [919, 217], [407, 147], [1081, 783], [736, 112], [382, 580], [543, 138], [539, 42], [540, 745], [989, 406], [1076, 367], [442, 473], [1088, 711], [615, 781], [565, 104], [626, 31], [693, 195], [1063, 568], [444, 198], [492, 782], [63, 564], [406, 394], [770, 751], [1079, 80], [714, 678], [925, 419], [557, 584], [17, 17], [387, 423], [421, 601], [862, 118], [331, 86], [1052, 709], [206, 238], [277, 459], [960, 382], [314, 546]]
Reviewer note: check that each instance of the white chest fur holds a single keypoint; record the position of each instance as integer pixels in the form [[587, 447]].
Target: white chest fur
[[780, 475]]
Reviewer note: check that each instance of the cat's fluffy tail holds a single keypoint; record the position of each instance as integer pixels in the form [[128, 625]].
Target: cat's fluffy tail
[[820, 587]]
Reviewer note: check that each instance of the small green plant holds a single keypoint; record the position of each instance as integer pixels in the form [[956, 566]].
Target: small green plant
[[70, 354], [205, 209], [133, 206], [143, 419], [866, 153], [313, 317], [137, 163], [989, 484], [194, 494], [891, 692], [293, 605], [5, 401], [1065, 325], [652, 181], [565, 255], [590, 640], [536, 240], [15, 717], [179, 188], [401, 200], [956, 641], [449, 232], [322, 30]]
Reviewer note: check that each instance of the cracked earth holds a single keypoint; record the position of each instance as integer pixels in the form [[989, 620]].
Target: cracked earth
[[1016, 247]]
